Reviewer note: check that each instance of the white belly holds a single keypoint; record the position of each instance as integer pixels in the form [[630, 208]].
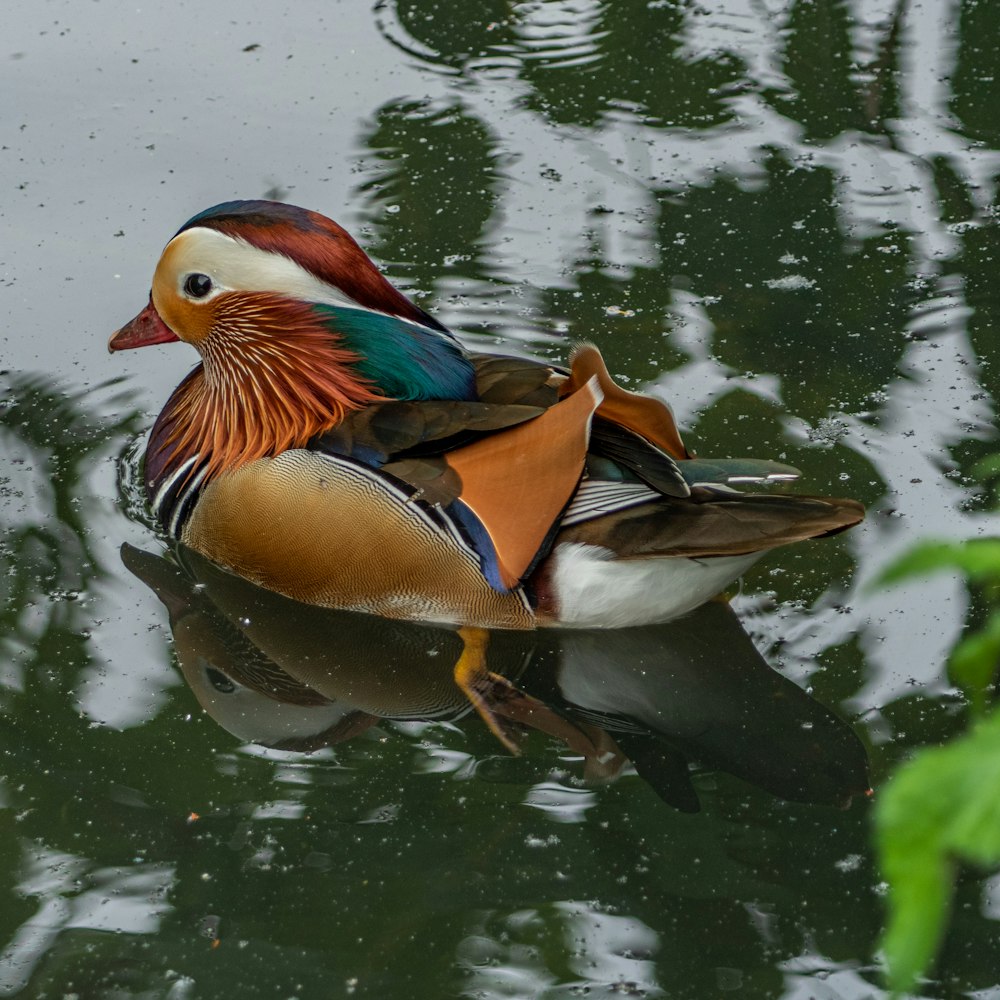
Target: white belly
[[593, 589]]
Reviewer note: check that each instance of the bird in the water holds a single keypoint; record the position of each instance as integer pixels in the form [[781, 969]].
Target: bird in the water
[[339, 445]]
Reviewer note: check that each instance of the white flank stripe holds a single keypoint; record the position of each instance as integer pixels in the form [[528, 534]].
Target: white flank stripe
[[168, 484], [596, 497], [771, 477], [181, 500]]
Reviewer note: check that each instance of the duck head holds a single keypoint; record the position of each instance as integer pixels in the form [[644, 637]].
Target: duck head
[[295, 327], [248, 248]]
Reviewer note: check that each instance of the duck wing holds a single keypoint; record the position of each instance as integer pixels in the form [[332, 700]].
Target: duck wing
[[714, 522], [503, 472], [519, 469]]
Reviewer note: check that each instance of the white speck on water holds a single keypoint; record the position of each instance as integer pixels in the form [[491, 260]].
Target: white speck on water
[[790, 283], [850, 863]]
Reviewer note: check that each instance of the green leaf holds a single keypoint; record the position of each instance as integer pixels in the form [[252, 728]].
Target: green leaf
[[975, 659], [941, 807], [978, 559]]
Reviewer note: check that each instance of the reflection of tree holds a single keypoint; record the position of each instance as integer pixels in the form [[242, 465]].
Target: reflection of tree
[[583, 59], [435, 824], [975, 91], [785, 290], [433, 175], [789, 293], [48, 566], [51, 440], [975, 270], [820, 65], [450, 33]]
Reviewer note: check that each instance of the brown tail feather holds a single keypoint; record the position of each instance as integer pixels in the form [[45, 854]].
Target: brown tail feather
[[711, 523]]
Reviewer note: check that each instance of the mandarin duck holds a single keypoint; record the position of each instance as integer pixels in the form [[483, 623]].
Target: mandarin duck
[[338, 445]]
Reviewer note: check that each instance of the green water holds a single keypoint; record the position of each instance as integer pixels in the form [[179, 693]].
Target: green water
[[780, 217]]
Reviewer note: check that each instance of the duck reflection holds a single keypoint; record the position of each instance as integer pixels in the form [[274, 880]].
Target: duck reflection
[[300, 677]]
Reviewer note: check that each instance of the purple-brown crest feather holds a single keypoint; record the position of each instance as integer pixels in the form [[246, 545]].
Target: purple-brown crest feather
[[318, 244]]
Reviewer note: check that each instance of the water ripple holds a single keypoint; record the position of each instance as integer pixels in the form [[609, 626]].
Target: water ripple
[[560, 32], [549, 34]]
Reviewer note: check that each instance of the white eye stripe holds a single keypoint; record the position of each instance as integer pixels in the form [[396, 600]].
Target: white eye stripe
[[234, 265], [237, 266]]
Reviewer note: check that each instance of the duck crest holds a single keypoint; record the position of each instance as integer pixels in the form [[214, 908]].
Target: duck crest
[[273, 376], [319, 244]]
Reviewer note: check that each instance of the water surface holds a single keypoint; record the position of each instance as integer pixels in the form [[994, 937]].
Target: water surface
[[779, 216]]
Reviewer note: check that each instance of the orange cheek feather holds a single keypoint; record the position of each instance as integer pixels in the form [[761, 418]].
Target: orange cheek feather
[[191, 321]]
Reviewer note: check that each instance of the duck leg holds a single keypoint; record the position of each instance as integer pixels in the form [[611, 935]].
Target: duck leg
[[497, 701], [485, 689]]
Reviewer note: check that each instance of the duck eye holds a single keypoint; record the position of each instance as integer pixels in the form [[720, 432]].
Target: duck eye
[[197, 285]]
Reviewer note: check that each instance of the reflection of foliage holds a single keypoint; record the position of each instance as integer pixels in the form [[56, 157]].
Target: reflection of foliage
[[982, 250], [787, 295], [818, 62], [780, 288], [585, 59], [51, 439], [454, 32], [639, 61], [987, 470], [976, 85], [943, 807], [435, 174]]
